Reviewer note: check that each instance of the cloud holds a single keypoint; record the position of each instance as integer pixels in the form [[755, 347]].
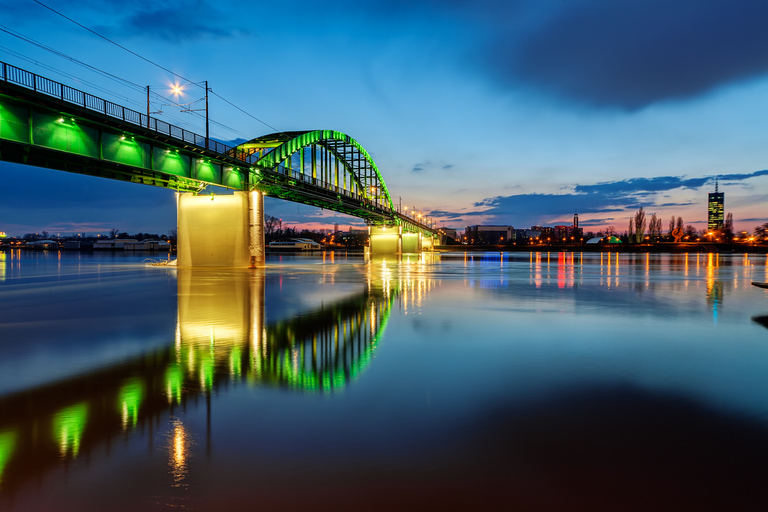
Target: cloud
[[632, 54], [428, 165], [643, 187], [453, 215], [186, 21], [601, 198]]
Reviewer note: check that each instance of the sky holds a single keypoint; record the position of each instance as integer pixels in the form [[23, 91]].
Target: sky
[[511, 112]]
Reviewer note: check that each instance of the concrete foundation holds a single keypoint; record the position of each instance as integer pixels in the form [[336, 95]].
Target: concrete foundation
[[411, 242], [216, 231], [384, 240]]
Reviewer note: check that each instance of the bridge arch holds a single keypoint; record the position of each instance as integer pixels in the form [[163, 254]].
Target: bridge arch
[[331, 154]]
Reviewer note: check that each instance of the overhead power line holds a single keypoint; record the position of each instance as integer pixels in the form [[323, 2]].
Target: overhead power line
[[136, 87], [155, 64]]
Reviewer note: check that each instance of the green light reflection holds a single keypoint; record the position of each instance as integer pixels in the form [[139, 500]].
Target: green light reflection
[[7, 445], [174, 381], [129, 400], [68, 427]]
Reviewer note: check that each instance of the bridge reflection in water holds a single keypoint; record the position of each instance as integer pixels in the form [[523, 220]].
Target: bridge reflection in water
[[223, 338]]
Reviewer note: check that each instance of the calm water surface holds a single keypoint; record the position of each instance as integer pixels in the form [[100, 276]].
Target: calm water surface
[[525, 381]]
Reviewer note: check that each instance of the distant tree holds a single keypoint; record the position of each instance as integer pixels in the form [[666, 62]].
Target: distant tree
[[631, 231], [690, 231], [671, 226], [760, 231], [728, 226], [680, 223], [114, 232], [272, 225], [640, 225], [654, 227]]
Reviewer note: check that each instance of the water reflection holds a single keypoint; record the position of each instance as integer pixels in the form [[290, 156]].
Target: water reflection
[[551, 273], [7, 445], [222, 337], [179, 450], [68, 426]]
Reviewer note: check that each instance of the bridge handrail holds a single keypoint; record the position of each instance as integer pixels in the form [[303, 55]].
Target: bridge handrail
[[41, 84]]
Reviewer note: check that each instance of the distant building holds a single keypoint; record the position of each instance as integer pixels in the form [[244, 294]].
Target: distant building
[[546, 233], [524, 235], [716, 209], [489, 234]]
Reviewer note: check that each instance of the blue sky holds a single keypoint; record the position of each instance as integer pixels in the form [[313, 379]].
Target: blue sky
[[516, 112]]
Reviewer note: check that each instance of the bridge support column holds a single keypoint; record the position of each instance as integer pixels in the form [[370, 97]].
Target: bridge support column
[[427, 244], [256, 228], [384, 240], [411, 242], [214, 231]]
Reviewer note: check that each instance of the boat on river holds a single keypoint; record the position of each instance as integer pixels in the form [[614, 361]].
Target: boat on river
[[295, 245], [759, 284]]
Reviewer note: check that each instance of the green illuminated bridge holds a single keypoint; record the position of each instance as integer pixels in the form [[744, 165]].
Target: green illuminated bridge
[[47, 124]]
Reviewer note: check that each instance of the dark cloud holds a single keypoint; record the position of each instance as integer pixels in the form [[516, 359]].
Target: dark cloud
[[180, 22], [641, 186], [452, 215], [608, 197], [428, 165], [632, 54], [596, 222]]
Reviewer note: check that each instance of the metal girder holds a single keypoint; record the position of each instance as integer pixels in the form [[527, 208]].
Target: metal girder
[[276, 148]]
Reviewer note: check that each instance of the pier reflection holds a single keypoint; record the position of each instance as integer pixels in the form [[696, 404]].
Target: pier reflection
[[223, 338]]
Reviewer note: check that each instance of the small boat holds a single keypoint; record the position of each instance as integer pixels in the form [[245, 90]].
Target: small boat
[[759, 285], [295, 244]]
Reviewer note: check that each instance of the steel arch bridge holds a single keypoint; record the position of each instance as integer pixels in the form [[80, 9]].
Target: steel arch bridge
[[48, 124]]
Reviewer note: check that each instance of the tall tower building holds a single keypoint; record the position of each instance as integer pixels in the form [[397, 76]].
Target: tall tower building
[[715, 209]]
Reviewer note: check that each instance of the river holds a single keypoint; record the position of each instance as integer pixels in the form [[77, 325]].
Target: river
[[482, 381]]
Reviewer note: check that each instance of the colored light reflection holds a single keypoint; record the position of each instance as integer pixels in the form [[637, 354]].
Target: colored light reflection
[[130, 399], [236, 361], [179, 451], [206, 372], [7, 445], [174, 380], [68, 428]]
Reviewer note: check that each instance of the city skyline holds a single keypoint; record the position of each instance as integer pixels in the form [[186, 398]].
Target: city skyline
[[488, 113]]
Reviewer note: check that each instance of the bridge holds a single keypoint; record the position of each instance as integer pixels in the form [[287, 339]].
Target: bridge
[[47, 124]]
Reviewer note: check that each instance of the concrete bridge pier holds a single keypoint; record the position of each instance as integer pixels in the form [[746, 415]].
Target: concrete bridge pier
[[221, 231], [412, 242], [384, 240]]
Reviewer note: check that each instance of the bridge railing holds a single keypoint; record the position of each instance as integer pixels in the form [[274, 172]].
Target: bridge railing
[[41, 84]]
